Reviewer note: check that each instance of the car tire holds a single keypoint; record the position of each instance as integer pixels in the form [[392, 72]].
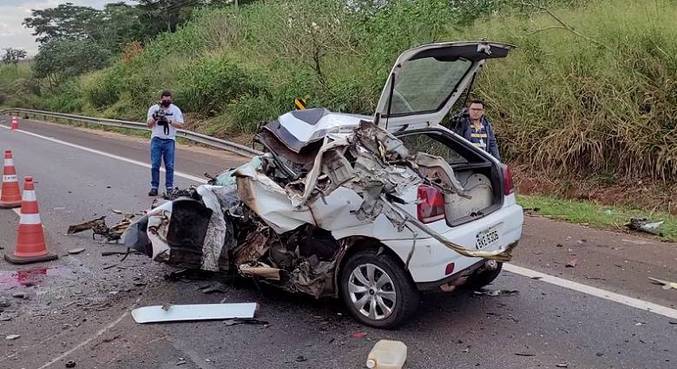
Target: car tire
[[484, 276], [388, 291]]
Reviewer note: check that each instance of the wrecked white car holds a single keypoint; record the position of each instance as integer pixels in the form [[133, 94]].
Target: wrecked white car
[[372, 210]]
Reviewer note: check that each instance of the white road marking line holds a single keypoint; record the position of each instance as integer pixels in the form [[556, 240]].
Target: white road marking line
[[575, 286], [112, 156], [594, 291], [98, 334]]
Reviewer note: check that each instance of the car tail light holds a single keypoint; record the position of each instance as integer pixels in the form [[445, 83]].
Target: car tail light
[[449, 269], [430, 204], [508, 187]]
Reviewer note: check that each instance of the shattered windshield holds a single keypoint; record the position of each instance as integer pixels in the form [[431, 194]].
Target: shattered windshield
[[424, 85]]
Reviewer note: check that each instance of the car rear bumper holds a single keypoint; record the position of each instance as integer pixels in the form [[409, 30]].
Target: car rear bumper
[[457, 279], [428, 259]]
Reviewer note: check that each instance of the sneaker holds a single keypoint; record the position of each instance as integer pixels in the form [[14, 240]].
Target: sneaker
[[153, 192]]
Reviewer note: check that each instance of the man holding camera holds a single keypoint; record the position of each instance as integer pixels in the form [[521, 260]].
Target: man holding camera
[[163, 118]]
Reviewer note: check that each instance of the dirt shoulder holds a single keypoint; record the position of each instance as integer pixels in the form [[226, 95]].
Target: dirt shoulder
[[647, 194]]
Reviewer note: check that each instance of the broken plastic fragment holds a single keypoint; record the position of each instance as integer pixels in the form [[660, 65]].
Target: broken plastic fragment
[[666, 284]]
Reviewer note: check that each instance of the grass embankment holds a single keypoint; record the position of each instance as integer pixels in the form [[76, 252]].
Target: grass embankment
[[595, 215]]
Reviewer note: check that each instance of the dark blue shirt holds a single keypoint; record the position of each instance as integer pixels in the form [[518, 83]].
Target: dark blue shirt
[[483, 138]]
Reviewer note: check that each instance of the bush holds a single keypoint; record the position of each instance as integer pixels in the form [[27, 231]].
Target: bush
[[211, 85], [66, 99], [102, 89]]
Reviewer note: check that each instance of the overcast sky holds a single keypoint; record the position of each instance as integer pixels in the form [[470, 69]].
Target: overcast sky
[[13, 12]]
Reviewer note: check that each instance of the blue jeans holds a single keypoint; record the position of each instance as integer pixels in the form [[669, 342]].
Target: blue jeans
[[162, 150]]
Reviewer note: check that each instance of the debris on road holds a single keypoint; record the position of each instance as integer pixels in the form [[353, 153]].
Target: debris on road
[[76, 250], [359, 335], [645, 225], [572, 263], [562, 365], [524, 354], [175, 313], [387, 354], [4, 302], [70, 364], [99, 227], [666, 284], [214, 287], [19, 295], [495, 292], [12, 337], [238, 321]]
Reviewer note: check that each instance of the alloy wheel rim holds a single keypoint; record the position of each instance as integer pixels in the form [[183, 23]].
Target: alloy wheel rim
[[372, 291]]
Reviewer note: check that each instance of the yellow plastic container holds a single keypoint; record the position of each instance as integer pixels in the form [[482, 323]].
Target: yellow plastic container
[[387, 355]]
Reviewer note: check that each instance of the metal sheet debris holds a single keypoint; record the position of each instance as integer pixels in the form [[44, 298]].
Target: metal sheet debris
[[100, 228], [177, 313], [645, 225]]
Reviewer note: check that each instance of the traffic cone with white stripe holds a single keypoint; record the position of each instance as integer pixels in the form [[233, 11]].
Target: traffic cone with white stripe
[[15, 123], [30, 241], [10, 197]]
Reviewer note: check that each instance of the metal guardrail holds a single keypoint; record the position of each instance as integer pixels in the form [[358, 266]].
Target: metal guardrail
[[189, 135]]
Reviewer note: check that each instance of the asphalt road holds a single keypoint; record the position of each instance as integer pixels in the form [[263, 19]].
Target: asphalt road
[[76, 308]]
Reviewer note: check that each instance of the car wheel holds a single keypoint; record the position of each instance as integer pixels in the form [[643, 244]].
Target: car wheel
[[377, 290], [485, 275]]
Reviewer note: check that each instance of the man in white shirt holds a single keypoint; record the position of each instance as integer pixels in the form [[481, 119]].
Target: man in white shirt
[[163, 118]]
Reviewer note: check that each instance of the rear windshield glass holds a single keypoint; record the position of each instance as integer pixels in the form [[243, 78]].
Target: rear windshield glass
[[424, 85]]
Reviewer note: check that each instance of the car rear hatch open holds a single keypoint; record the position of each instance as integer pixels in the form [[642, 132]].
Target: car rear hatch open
[[426, 81]]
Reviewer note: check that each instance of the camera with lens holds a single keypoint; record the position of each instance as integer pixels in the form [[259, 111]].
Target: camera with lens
[[160, 117]]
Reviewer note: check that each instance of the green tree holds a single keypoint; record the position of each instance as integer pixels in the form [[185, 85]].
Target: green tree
[[65, 21], [165, 15], [12, 55], [121, 25], [58, 60]]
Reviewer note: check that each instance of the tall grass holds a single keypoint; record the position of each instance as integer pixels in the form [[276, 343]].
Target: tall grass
[[604, 101]]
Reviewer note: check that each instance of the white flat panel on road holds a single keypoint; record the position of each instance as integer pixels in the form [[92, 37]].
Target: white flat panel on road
[[176, 313]]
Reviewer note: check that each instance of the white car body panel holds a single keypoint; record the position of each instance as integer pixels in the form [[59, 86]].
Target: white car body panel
[[330, 123]]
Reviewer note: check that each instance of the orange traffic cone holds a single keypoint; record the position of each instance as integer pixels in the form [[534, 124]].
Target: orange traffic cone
[[15, 123], [10, 197], [30, 241]]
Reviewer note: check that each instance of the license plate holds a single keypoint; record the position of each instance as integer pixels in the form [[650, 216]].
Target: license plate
[[486, 238]]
